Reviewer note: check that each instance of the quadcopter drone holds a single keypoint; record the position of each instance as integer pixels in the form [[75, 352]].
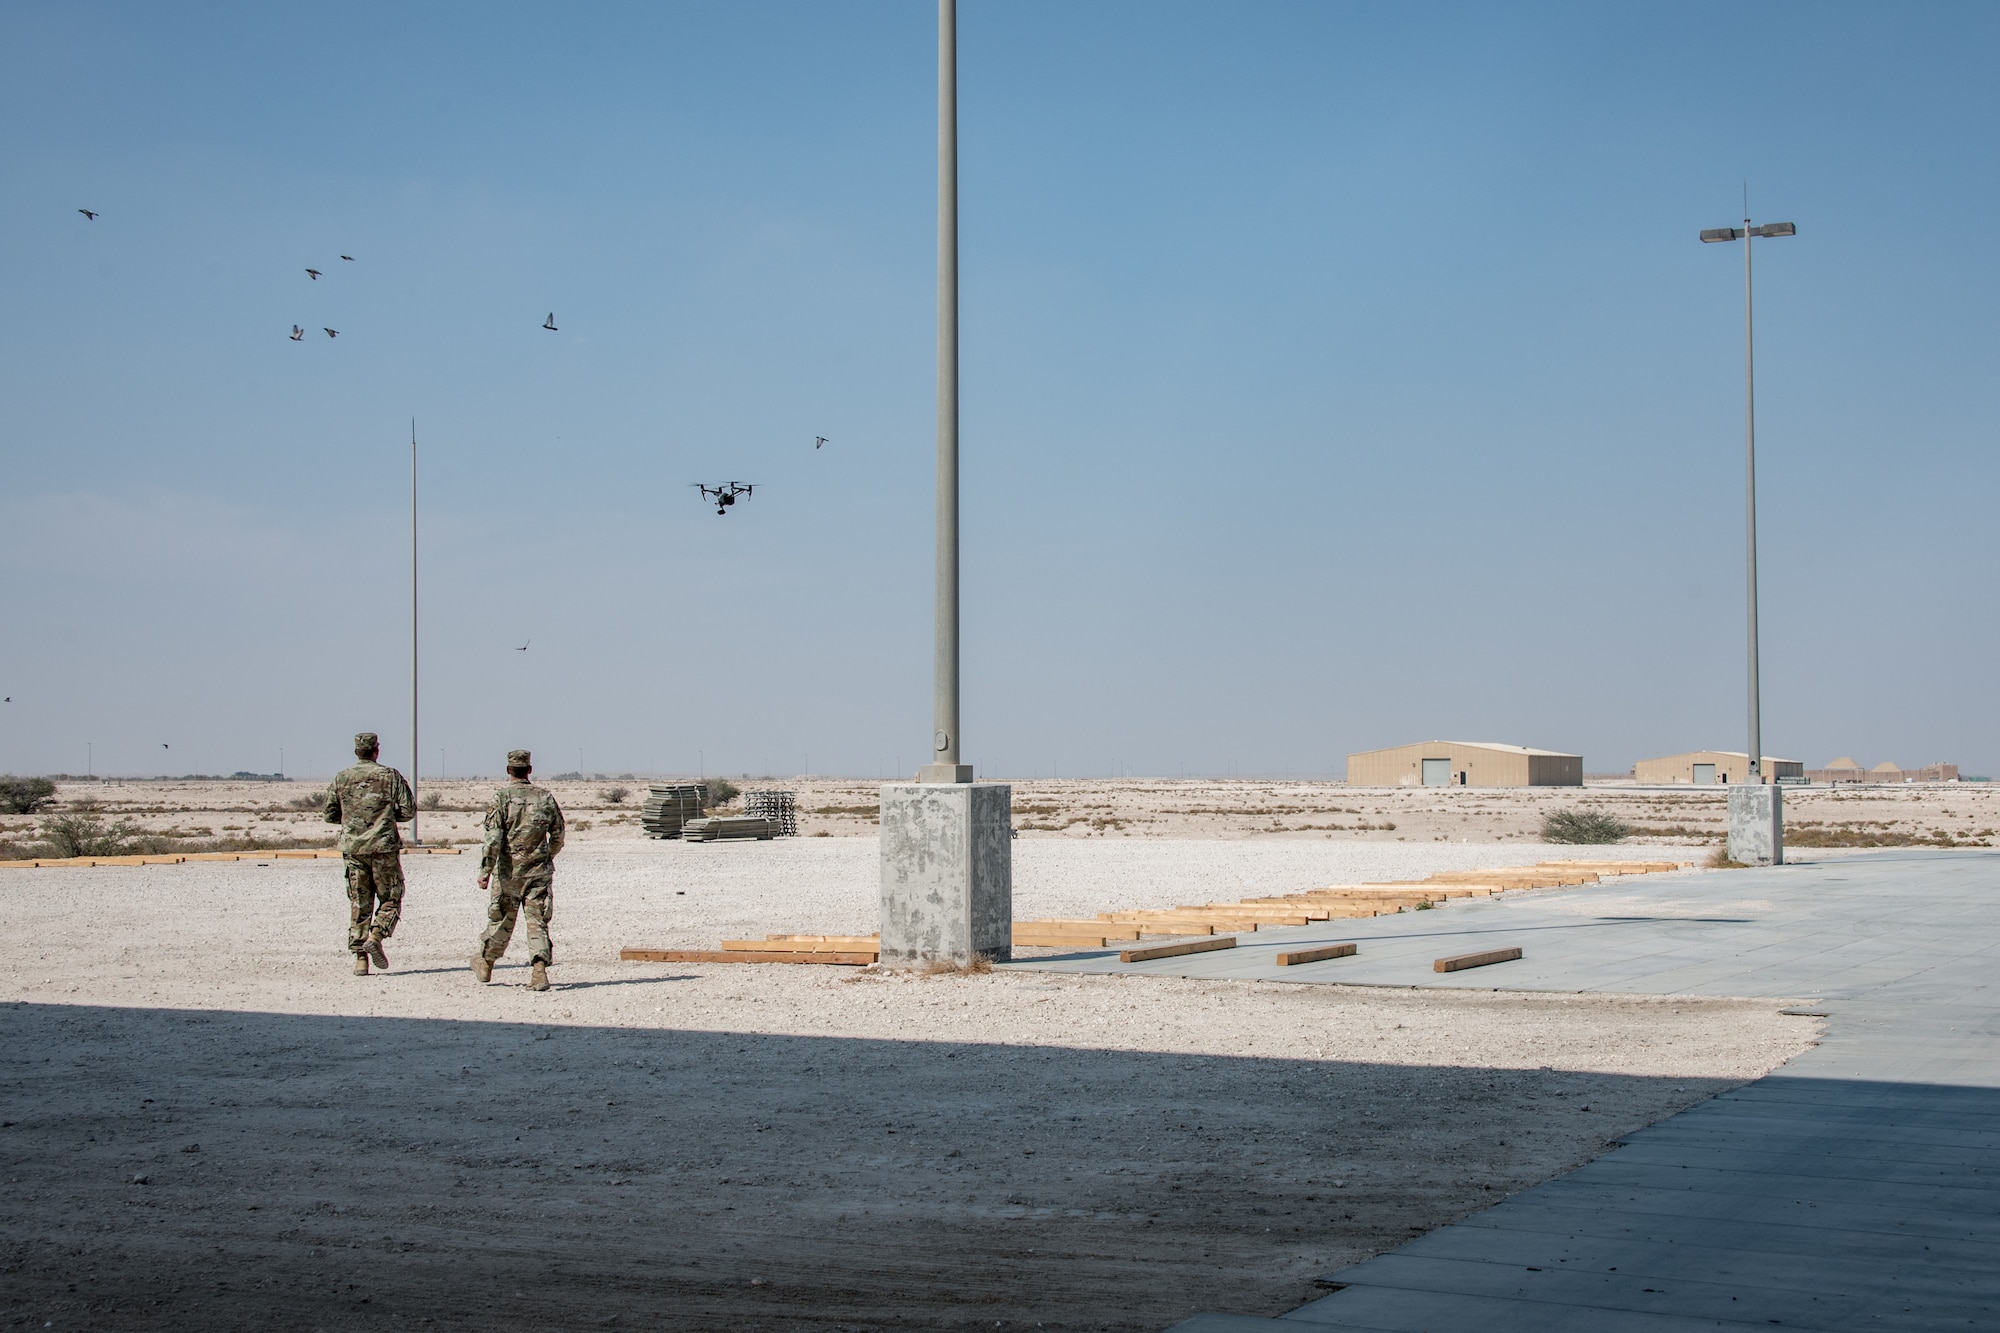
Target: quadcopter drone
[[724, 496]]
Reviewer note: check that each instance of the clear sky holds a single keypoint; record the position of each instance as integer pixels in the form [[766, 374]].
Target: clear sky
[[1335, 376]]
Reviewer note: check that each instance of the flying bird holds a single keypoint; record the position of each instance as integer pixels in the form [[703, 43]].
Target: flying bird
[[348, 258], [88, 214], [297, 333], [550, 323], [332, 333], [524, 647], [818, 440], [313, 273], [165, 746], [9, 699]]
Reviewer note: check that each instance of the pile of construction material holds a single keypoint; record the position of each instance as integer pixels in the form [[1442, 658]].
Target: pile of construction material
[[781, 806], [1337, 902], [670, 805], [729, 828]]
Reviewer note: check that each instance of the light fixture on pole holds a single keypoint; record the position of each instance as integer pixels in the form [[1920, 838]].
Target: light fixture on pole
[[1746, 234]]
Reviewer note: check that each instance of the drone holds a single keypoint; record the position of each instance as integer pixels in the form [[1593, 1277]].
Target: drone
[[724, 496]]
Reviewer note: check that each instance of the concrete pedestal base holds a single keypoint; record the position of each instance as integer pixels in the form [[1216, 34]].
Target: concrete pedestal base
[[947, 873], [1757, 825]]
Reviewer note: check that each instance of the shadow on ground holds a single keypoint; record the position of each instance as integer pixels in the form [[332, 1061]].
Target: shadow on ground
[[165, 1169]]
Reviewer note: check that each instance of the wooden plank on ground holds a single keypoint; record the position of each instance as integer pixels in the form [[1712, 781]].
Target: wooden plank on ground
[[1465, 960], [1176, 950], [855, 959], [1290, 957], [858, 945]]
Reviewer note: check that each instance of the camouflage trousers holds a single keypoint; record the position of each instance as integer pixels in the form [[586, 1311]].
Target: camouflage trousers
[[532, 896], [374, 898]]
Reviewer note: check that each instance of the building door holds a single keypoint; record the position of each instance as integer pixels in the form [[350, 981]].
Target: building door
[[1437, 772], [1704, 775]]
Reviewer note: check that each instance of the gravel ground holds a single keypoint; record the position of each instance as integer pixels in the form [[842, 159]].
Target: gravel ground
[[208, 1121]]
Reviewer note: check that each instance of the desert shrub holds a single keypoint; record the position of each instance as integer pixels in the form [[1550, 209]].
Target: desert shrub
[[721, 791], [1585, 826], [24, 796], [84, 832], [431, 800], [615, 795], [312, 800]]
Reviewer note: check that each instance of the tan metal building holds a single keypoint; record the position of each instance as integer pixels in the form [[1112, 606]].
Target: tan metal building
[[1709, 768], [1464, 764]]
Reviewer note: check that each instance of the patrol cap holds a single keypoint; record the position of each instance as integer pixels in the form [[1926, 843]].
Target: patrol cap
[[365, 741], [518, 759]]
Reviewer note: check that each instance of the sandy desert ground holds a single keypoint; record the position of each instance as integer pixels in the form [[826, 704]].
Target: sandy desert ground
[[205, 1121], [1949, 814]]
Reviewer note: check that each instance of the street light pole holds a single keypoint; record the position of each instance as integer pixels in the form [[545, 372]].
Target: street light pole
[[945, 763], [1746, 234], [416, 839]]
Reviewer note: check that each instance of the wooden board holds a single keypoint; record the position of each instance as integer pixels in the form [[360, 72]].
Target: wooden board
[[1175, 950], [744, 956], [836, 944], [1465, 960], [1321, 954]]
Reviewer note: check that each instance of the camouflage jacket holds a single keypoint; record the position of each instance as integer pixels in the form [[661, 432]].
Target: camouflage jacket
[[524, 831], [368, 801]]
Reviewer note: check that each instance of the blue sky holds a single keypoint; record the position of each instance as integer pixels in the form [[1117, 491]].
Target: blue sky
[[1334, 376]]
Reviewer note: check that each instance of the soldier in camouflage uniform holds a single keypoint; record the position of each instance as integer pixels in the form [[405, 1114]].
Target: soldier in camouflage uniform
[[368, 801], [524, 831]]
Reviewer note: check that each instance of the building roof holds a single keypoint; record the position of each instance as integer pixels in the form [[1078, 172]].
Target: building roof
[[1887, 766], [1845, 762], [1720, 754], [1477, 745]]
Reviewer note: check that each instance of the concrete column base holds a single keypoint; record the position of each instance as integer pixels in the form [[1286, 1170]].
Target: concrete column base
[[947, 873], [1757, 825]]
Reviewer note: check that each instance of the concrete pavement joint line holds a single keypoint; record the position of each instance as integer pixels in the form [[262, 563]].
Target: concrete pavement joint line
[[1853, 1161]]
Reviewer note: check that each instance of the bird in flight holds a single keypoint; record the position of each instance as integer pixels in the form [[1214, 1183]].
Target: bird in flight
[[297, 333], [332, 333], [348, 258], [88, 215], [524, 647], [313, 273], [165, 746], [818, 440], [9, 699], [550, 323]]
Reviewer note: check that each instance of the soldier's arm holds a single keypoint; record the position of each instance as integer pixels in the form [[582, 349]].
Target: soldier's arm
[[490, 848], [404, 800], [556, 831], [331, 813]]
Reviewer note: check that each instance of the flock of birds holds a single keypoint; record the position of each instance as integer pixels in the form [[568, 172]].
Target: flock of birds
[[724, 495]]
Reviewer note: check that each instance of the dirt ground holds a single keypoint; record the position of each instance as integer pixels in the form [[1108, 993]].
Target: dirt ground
[[1944, 814], [205, 1121]]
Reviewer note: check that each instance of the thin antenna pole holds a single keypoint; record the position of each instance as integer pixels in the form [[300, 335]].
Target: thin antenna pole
[[416, 837]]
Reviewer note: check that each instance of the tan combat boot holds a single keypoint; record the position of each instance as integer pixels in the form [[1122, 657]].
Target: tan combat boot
[[540, 979], [375, 952], [361, 965], [482, 968]]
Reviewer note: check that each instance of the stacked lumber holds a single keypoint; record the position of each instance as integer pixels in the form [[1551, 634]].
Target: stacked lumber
[[839, 950], [1335, 902], [669, 805], [729, 828]]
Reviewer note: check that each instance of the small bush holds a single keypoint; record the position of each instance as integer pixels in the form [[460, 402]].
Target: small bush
[[24, 796], [721, 791], [1583, 826], [431, 800], [615, 795], [312, 800], [84, 832]]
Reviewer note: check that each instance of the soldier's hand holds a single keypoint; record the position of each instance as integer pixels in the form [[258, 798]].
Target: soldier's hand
[[482, 883]]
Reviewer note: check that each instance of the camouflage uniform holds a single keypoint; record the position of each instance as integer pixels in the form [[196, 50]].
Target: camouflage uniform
[[524, 831], [368, 801]]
